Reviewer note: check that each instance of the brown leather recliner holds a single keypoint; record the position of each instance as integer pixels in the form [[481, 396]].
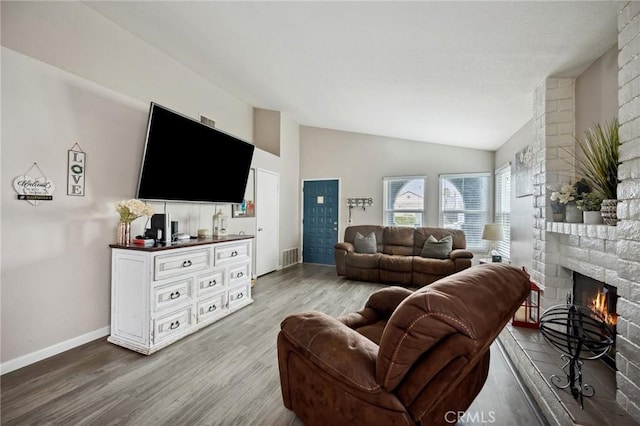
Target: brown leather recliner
[[406, 358]]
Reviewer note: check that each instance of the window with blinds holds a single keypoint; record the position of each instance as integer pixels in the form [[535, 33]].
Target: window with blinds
[[464, 204], [404, 200], [503, 208]]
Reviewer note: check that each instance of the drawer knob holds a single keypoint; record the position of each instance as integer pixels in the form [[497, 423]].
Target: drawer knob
[[240, 296], [212, 308], [234, 253], [174, 294], [186, 263], [174, 325], [212, 283], [239, 274]]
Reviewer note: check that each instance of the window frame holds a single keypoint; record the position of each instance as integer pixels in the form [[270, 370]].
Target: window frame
[[472, 245], [386, 212], [502, 207]]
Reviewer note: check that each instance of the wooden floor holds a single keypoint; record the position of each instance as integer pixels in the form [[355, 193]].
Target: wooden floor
[[225, 374]]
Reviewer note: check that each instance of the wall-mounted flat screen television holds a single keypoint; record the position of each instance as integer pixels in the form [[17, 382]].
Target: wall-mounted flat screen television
[[185, 160]]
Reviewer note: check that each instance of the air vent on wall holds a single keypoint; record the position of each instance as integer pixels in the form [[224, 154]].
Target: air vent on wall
[[206, 120], [290, 257]]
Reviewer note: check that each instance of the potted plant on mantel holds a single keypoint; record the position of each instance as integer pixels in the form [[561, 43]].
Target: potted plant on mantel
[[597, 162], [590, 205]]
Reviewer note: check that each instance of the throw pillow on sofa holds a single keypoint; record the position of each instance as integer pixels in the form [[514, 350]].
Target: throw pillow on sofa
[[437, 249], [366, 244]]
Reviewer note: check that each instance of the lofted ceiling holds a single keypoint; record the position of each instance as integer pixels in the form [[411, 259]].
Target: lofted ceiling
[[452, 72]]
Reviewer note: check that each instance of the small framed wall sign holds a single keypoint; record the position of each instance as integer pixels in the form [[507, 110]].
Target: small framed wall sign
[[34, 189], [76, 169]]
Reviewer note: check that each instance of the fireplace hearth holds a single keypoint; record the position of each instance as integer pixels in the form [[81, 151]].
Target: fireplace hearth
[[579, 334]]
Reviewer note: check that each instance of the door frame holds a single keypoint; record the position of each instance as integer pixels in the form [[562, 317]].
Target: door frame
[[302, 182]]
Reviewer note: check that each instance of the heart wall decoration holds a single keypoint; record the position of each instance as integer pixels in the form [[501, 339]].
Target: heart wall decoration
[[34, 189]]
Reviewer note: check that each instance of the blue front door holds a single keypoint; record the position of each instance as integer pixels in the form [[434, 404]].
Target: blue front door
[[320, 221]]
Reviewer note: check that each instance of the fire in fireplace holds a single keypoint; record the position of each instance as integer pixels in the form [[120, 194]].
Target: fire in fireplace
[[600, 298]]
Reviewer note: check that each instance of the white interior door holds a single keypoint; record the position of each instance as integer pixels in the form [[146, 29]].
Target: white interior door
[[267, 219]]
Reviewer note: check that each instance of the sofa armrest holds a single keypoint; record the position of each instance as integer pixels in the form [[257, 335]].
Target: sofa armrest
[[348, 247], [340, 251], [362, 318], [334, 348], [460, 254]]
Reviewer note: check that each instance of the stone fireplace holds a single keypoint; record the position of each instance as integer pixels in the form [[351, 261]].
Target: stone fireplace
[[607, 254]]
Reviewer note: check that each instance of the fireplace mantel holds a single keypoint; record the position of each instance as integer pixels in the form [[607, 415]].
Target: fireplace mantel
[[588, 249], [603, 232]]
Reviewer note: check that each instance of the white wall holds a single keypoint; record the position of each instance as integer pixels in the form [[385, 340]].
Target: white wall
[[361, 162], [76, 38], [55, 256], [266, 130], [72, 76], [597, 92], [277, 133], [290, 195]]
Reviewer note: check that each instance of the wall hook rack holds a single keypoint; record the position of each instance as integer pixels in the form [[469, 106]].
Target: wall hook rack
[[362, 202]]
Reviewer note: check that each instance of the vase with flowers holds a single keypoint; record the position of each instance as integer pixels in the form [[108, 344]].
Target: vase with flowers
[[562, 199], [129, 210]]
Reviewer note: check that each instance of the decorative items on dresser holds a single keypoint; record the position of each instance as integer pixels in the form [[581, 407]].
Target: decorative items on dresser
[[163, 293], [123, 233], [129, 210]]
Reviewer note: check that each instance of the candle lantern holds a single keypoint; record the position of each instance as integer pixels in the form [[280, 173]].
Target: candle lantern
[[528, 314], [224, 224], [217, 223]]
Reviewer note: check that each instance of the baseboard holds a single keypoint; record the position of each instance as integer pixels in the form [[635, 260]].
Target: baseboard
[[281, 267], [33, 357]]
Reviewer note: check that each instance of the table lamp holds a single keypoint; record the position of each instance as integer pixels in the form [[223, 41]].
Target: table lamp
[[493, 232]]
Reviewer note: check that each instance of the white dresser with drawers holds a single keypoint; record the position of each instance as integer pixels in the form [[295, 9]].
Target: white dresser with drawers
[[162, 294]]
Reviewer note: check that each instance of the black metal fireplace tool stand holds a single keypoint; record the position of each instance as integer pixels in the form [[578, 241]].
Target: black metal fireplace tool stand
[[578, 333]]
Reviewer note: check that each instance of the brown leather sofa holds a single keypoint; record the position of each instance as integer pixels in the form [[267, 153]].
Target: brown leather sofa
[[406, 358], [398, 259]]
